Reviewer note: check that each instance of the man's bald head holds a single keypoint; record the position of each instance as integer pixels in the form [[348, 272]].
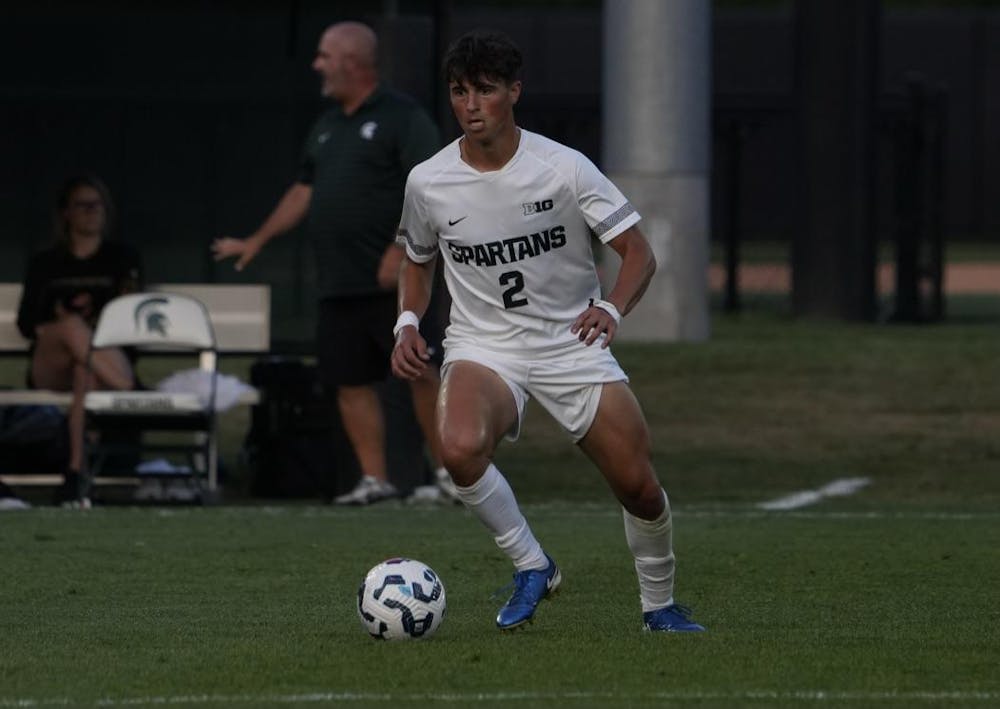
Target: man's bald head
[[347, 61], [357, 41]]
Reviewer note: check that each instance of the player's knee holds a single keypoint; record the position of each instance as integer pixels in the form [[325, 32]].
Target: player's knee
[[462, 450], [643, 497]]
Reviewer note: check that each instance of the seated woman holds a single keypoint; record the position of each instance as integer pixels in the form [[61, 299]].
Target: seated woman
[[64, 291]]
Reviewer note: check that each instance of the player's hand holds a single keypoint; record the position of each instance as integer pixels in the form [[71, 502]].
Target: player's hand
[[410, 356], [592, 323], [243, 249]]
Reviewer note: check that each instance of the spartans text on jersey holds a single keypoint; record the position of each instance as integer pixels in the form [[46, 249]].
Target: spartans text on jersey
[[509, 250]]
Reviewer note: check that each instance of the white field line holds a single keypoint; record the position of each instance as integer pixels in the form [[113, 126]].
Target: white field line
[[468, 698], [842, 487], [849, 516], [586, 509], [533, 509]]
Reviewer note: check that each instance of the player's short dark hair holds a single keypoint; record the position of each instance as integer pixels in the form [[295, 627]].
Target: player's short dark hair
[[482, 54]]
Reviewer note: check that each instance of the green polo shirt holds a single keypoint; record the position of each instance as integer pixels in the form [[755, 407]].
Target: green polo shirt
[[357, 166]]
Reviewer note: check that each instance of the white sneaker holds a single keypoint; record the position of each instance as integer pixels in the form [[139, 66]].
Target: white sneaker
[[425, 494], [368, 490], [447, 487]]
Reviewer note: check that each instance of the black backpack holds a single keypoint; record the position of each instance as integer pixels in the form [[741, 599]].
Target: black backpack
[[296, 446], [33, 439]]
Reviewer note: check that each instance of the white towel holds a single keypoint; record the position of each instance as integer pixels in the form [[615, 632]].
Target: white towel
[[228, 389]]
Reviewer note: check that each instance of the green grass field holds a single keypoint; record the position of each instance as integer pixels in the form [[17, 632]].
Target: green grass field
[[887, 597]]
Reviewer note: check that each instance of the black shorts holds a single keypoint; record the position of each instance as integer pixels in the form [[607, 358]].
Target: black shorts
[[354, 338]]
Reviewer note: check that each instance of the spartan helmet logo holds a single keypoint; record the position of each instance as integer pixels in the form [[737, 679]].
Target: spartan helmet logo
[[148, 316]]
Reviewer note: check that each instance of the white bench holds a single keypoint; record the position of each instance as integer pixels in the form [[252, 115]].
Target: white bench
[[241, 319], [240, 314]]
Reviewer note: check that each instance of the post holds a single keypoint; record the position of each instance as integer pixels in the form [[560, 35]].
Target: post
[[833, 250], [656, 149]]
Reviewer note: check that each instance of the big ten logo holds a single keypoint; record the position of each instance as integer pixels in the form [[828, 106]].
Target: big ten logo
[[536, 207]]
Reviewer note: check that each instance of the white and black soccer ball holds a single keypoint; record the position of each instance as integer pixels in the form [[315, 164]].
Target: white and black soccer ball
[[401, 599]]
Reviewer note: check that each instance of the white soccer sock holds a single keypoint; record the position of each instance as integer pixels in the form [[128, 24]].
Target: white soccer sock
[[652, 546], [492, 501]]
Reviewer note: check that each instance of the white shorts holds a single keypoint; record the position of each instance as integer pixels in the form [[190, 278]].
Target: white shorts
[[568, 386]]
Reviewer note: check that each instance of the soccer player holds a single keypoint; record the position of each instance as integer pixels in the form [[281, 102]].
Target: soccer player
[[511, 215]]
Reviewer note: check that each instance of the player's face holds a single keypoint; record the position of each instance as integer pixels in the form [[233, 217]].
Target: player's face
[[85, 212], [330, 65], [484, 108]]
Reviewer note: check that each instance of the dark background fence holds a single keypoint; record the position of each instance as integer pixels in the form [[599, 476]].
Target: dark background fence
[[194, 113]]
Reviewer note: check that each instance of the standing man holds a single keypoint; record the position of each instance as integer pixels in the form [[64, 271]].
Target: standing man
[[512, 214], [350, 190]]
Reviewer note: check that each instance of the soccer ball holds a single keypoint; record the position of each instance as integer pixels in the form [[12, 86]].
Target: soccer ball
[[401, 599]]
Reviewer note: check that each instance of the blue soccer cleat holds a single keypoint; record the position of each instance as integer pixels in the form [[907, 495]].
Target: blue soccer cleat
[[671, 619], [530, 587]]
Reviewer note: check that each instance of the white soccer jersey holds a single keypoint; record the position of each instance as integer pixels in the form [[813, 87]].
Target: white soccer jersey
[[515, 243]]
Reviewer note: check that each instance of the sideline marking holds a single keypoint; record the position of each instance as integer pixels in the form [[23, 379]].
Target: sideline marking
[[479, 697], [842, 487], [555, 508]]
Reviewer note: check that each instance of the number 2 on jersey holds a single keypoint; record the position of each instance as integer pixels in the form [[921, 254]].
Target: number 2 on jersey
[[514, 277]]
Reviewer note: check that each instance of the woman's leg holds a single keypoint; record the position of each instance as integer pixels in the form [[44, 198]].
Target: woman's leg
[[60, 363], [62, 344]]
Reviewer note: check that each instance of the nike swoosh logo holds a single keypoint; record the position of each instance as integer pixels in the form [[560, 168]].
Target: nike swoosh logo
[[453, 223]]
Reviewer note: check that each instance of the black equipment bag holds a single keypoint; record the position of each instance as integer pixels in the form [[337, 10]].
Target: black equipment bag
[[33, 439], [296, 446]]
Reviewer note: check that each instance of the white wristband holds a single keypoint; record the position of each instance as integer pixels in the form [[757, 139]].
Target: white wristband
[[407, 317], [606, 306]]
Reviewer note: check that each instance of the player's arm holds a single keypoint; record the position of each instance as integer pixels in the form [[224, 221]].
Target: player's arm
[[390, 265], [290, 210], [637, 269], [410, 354]]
